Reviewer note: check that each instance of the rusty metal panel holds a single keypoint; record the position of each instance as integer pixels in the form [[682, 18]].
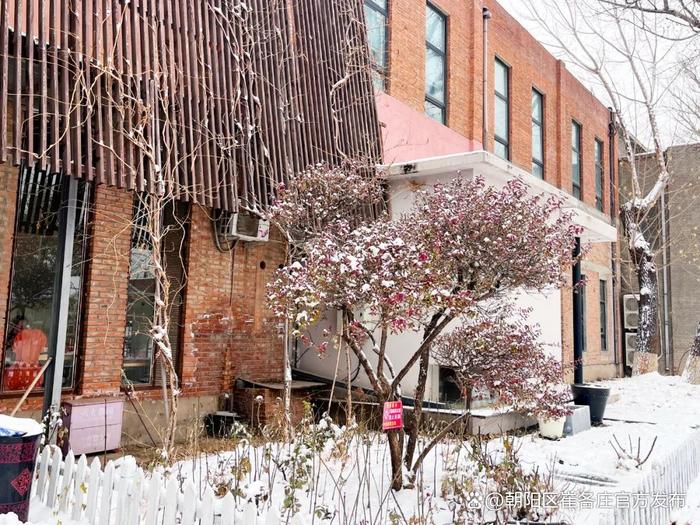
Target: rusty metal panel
[[214, 101]]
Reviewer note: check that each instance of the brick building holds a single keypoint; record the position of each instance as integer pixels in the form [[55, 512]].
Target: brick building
[[72, 180], [676, 255], [541, 123], [427, 69]]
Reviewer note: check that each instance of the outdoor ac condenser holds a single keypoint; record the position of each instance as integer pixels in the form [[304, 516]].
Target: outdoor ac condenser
[[630, 345], [630, 306], [247, 227]]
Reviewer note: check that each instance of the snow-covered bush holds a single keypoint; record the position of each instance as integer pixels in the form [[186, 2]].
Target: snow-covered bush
[[461, 251], [503, 354]]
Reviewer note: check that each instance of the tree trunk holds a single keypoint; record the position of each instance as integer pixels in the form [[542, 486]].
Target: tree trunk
[[645, 359], [419, 395], [691, 372], [648, 328], [395, 438]]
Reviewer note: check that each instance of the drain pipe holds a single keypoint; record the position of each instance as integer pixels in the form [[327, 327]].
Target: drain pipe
[[668, 349], [612, 133], [486, 16], [578, 315]]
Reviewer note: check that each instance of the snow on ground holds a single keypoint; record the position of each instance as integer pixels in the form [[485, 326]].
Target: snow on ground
[[340, 477], [690, 514], [40, 515], [355, 488]]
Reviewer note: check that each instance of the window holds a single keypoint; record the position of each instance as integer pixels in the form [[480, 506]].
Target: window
[[450, 391], [502, 110], [435, 64], [30, 313], [603, 315], [139, 352], [376, 19], [537, 134], [599, 174], [576, 159]]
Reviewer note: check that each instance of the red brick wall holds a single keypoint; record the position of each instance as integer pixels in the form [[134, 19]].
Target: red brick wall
[[106, 283], [227, 330], [9, 176], [531, 66]]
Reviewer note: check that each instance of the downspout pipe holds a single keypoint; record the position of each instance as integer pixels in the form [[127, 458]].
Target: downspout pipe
[[612, 158], [668, 346], [578, 314], [486, 16]]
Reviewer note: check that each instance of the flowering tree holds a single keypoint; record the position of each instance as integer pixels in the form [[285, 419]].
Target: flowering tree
[[502, 354], [463, 247]]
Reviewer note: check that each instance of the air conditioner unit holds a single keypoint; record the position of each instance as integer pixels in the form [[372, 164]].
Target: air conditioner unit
[[247, 227], [630, 309], [630, 345]]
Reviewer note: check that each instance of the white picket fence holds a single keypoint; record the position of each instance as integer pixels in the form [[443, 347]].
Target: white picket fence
[[670, 475], [122, 494]]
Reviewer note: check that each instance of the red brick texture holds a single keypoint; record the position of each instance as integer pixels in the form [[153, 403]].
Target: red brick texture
[[227, 330], [531, 66]]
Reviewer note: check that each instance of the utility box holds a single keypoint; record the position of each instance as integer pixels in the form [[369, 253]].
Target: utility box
[[92, 425], [578, 421]]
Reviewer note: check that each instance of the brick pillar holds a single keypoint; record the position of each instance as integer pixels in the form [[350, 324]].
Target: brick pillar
[[106, 283], [9, 176]]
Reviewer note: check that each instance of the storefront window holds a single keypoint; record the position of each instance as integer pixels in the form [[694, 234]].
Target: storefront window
[[37, 238]]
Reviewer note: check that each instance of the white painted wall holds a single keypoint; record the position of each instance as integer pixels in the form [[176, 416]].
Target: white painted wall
[[546, 312]]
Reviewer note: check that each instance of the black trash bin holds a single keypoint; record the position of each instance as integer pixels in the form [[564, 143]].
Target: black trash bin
[[17, 460]]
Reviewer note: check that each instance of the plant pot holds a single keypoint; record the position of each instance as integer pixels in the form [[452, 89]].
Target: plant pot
[[551, 428], [596, 397]]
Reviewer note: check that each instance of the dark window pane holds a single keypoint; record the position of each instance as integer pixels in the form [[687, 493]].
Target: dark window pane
[[603, 315], [536, 106], [501, 118], [435, 75], [501, 78], [501, 150], [35, 253], [435, 28], [435, 112], [576, 159], [139, 351], [537, 170]]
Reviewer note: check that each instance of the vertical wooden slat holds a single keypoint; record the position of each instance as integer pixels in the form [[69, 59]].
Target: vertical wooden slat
[[18, 114], [76, 106], [4, 80], [87, 118], [261, 77], [29, 88], [43, 85]]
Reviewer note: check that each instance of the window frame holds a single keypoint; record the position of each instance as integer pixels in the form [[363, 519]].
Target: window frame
[[577, 188], [154, 380], [503, 141], [440, 104], [538, 123], [603, 306], [599, 172], [87, 201], [382, 71]]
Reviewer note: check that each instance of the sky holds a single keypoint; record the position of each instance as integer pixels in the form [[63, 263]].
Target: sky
[[667, 84]]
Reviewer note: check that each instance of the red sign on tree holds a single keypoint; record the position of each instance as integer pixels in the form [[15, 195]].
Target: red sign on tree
[[393, 415]]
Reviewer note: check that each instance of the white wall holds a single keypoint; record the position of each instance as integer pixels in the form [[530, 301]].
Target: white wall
[[546, 312]]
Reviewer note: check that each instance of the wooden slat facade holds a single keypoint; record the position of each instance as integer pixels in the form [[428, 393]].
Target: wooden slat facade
[[220, 99]]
